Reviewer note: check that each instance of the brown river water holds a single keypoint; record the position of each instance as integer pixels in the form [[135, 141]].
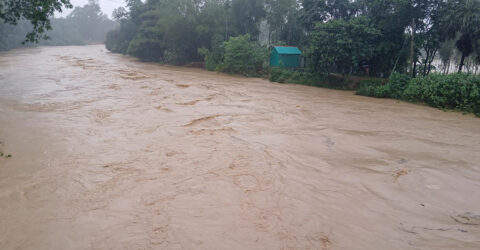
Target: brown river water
[[111, 153]]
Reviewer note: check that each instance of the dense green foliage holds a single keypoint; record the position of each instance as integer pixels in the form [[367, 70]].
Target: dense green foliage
[[332, 81], [342, 44], [118, 40], [84, 25], [289, 76], [393, 89], [397, 84], [339, 38], [178, 32], [213, 59], [373, 88], [243, 56], [239, 55], [455, 91], [361, 37]]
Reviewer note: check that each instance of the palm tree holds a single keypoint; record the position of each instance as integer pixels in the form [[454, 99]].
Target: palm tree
[[461, 21]]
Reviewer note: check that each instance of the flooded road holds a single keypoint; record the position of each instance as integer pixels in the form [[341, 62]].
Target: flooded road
[[110, 153]]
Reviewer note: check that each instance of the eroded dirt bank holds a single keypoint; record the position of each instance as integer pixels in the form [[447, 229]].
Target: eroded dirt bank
[[109, 153]]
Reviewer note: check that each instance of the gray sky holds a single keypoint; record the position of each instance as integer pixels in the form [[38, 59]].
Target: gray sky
[[107, 6]]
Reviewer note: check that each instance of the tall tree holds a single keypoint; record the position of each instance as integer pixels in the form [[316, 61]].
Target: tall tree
[[278, 13], [344, 44], [246, 16], [315, 11], [461, 21]]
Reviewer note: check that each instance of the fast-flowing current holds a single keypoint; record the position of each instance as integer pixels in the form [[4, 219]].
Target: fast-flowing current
[[100, 151]]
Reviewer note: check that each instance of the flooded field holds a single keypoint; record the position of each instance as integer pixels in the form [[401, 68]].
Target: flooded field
[[110, 153]]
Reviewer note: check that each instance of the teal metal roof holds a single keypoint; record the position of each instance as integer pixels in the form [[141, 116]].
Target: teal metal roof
[[287, 50]]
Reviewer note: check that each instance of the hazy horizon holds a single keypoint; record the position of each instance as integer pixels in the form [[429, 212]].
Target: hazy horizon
[[107, 6]]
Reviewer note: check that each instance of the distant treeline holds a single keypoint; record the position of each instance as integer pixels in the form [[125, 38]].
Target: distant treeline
[[172, 31], [84, 25], [371, 37]]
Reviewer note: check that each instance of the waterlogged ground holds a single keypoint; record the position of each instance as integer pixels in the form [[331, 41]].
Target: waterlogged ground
[[110, 153]]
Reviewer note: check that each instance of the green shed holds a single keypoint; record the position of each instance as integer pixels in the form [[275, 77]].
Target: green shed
[[285, 56]]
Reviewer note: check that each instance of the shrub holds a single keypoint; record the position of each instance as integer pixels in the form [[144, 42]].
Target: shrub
[[470, 94], [243, 56], [413, 91], [373, 88], [213, 57], [210, 64], [275, 74], [290, 76], [455, 91], [397, 84], [394, 88], [337, 81]]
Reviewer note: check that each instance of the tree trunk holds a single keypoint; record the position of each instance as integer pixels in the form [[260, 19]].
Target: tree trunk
[[226, 24], [462, 61], [425, 64], [430, 62], [412, 46], [414, 72]]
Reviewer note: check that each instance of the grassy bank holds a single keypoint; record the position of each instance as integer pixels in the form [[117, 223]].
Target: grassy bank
[[333, 81], [459, 92]]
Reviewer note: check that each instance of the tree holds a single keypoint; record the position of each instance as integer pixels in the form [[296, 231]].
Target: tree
[[461, 21], [37, 12], [445, 52], [246, 16], [344, 44], [428, 35], [242, 56], [293, 32], [390, 18], [91, 23], [278, 13], [172, 31], [315, 11]]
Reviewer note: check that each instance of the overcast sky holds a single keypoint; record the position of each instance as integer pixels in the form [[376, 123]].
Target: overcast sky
[[107, 6]]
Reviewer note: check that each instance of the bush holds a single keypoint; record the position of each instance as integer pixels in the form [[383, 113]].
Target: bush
[[397, 84], [393, 89], [280, 75], [214, 57], [413, 91], [243, 56], [455, 91], [373, 88], [290, 76], [275, 74]]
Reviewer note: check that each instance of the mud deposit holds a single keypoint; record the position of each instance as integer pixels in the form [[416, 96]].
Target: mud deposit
[[110, 153]]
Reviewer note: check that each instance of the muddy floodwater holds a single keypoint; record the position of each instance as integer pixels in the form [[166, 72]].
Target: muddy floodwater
[[110, 153]]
